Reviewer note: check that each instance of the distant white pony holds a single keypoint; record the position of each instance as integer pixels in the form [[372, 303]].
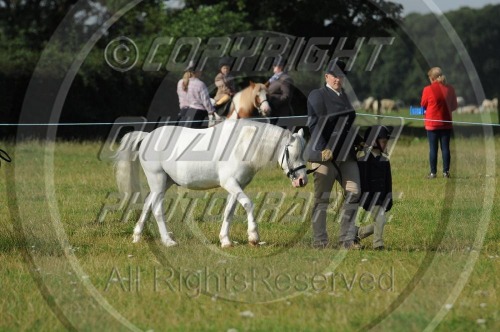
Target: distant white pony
[[489, 105], [227, 155]]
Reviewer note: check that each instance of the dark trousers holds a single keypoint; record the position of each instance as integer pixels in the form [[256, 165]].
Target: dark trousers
[[442, 138], [191, 117]]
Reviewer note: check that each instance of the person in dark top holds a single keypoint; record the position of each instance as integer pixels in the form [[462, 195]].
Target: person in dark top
[[376, 183], [330, 117], [279, 91]]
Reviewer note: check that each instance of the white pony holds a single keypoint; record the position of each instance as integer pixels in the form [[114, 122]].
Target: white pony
[[227, 155]]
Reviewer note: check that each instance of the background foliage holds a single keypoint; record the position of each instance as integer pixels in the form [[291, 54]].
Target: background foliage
[[99, 93], [401, 70]]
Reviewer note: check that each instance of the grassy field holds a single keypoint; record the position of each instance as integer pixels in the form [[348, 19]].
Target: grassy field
[[63, 269], [416, 120]]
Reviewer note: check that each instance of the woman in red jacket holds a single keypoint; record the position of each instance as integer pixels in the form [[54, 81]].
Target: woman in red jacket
[[439, 100]]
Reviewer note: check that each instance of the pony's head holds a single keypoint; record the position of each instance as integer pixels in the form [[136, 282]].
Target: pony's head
[[292, 160], [259, 98]]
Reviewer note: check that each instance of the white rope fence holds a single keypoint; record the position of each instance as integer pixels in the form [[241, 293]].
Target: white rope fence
[[197, 121]]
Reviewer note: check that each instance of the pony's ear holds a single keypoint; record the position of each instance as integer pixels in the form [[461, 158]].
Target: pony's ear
[[301, 132], [252, 84], [267, 84]]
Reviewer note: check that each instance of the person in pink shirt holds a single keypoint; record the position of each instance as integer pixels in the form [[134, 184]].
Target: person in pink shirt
[[194, 99], [439, 100]]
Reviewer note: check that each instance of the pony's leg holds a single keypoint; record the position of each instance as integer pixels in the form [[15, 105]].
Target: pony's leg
[[228, 217], [158, 184], [139, 226], [157, 206], [232, 186]]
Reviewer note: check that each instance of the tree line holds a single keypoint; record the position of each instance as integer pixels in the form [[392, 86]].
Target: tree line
[[426, 41], [31, 30]]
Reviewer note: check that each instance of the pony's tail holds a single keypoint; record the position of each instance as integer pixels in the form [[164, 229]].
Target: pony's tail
[[127, 165]]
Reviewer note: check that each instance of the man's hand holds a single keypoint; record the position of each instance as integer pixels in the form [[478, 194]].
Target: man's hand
[[211, 120], [326, 155]]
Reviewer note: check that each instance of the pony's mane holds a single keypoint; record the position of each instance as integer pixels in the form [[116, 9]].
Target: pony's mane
[[256, 88], [248, 94], [251, 92], [268, 148]]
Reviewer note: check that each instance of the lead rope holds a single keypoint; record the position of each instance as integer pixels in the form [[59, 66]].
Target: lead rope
[[4, 156]]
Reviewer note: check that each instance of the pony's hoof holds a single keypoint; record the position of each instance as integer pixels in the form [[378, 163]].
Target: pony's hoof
[[226, 245], [135, 238], [253, 240], [170, 243]]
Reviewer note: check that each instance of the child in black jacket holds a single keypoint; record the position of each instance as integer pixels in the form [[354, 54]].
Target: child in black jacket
[[376, 182]]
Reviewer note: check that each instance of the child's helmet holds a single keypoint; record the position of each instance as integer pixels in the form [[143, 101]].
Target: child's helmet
[[382, 132], [225, 61]]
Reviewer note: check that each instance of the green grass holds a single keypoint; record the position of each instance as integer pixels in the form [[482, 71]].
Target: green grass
[[417, 120], [62, 269]]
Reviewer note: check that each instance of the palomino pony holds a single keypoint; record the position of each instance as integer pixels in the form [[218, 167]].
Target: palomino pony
[[227, 155], [249, 99]]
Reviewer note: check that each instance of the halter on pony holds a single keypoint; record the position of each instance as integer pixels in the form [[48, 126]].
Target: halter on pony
[[258, 103], [291, 172]]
